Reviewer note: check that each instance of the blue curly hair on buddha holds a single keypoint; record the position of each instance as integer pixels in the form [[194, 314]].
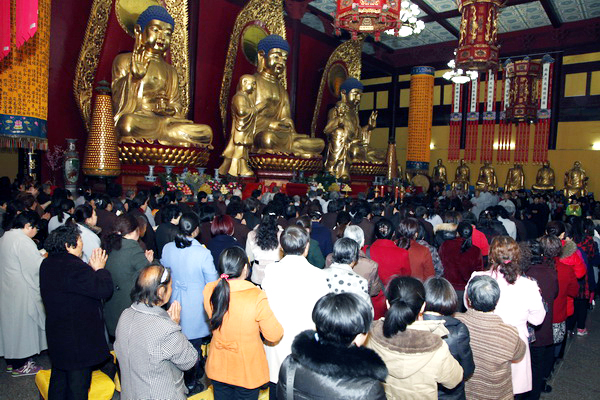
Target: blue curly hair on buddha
[[155, 12], [351, 83], [271, 42]]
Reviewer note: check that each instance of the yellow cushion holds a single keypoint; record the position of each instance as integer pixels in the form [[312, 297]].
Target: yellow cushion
[[208, 395], [102, 387]]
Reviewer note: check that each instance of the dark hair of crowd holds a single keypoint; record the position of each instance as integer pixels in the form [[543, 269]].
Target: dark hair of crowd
[[408, 229], [440, 296], [340, 317], [266, 233], [81, 214], [222, 225], [294, 240], [231, 262], [62, 236], [124, 224], [148, 294], [187, 225], [384, 229], [465, 231], [169, 212], [406, 296], [345, 251]]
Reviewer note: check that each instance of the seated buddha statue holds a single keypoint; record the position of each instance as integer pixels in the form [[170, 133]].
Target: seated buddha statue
[[462, 177], [348, 142], [275, 131], [576, 181], [145, 88], [487, 179], [515, 179], [544, 180], [440, 175]]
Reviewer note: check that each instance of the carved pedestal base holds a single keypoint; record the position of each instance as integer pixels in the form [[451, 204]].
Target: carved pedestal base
[[141, 153], [282, 167], [367, 168]]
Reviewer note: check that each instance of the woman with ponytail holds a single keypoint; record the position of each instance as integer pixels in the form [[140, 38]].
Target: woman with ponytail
[[239, 314], [413, 350], [421, 263], [520, 301], [125, 259], [461, 258], [61, 213], [192, 267], [85, 218]]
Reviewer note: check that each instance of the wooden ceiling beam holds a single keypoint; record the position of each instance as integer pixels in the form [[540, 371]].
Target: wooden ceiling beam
[[551, 13], [430, 11]]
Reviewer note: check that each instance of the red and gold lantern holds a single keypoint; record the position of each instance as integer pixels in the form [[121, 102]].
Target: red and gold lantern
[[524, 76], [478, 41], [376, 16]]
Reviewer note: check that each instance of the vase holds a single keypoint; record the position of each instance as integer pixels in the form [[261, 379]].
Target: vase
[[71, 166]]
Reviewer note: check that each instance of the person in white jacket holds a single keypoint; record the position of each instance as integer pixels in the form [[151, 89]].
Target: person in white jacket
[[293, 287], [86, 219]]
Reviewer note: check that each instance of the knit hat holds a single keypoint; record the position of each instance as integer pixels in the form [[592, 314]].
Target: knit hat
[[351, 83], [271, 42], [155, 12]]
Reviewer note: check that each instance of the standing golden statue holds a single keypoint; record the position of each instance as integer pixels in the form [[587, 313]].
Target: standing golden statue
[[576, 181], [348, 141], [487, 179], [515, 179], [243, 128], [544, 180], [146, 96], [440, 175], [463, 176]]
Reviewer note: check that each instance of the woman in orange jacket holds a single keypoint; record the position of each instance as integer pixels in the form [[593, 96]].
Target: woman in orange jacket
[[239, 313]]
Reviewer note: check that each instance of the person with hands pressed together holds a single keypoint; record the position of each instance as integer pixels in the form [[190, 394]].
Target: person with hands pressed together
[[72, 292], [125, 259], [151, 349]]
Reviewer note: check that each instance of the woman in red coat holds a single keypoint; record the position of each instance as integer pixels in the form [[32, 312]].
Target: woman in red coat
[[460, 259], [391, 259], [421, 264]]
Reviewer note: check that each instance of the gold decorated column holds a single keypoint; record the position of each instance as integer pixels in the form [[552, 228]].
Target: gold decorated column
[[420, 117]]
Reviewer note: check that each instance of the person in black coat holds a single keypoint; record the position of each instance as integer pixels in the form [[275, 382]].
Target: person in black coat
[[168, 227], [72, 292], [320, 233], [330, 363], [138, 209], [222, 229], [441, 302]]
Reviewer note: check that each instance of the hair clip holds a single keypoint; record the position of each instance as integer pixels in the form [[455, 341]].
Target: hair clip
[[164, 277], [225, 276], [507, 261]]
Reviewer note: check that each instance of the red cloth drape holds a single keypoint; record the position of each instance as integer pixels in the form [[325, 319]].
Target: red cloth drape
[[26, 20], [4, 28]]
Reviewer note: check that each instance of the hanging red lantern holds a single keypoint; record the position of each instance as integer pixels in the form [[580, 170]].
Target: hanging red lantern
[[375, 16], [524, 77], [478, 41]]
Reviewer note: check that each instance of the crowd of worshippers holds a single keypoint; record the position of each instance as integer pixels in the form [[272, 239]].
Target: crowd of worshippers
[[317, 296]]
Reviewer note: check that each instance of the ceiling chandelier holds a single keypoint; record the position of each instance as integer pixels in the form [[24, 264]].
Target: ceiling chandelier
[[394, 17], [459, 75]]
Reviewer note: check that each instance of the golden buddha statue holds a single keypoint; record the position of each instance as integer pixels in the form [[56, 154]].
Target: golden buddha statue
[[487, 179], [576, 181], [440, 175], [348, 141], [544, 180], [462, 177], [243, 128], [146, 96], [515, 179], [275, 131]]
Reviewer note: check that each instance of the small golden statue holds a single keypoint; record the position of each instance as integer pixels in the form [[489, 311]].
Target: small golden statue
[[487, 179], [348, 141], [462, 177], [515, 179], [275, 131], [576, 181], [146, 96], [440, 175], [544, 180], [243, 128]]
